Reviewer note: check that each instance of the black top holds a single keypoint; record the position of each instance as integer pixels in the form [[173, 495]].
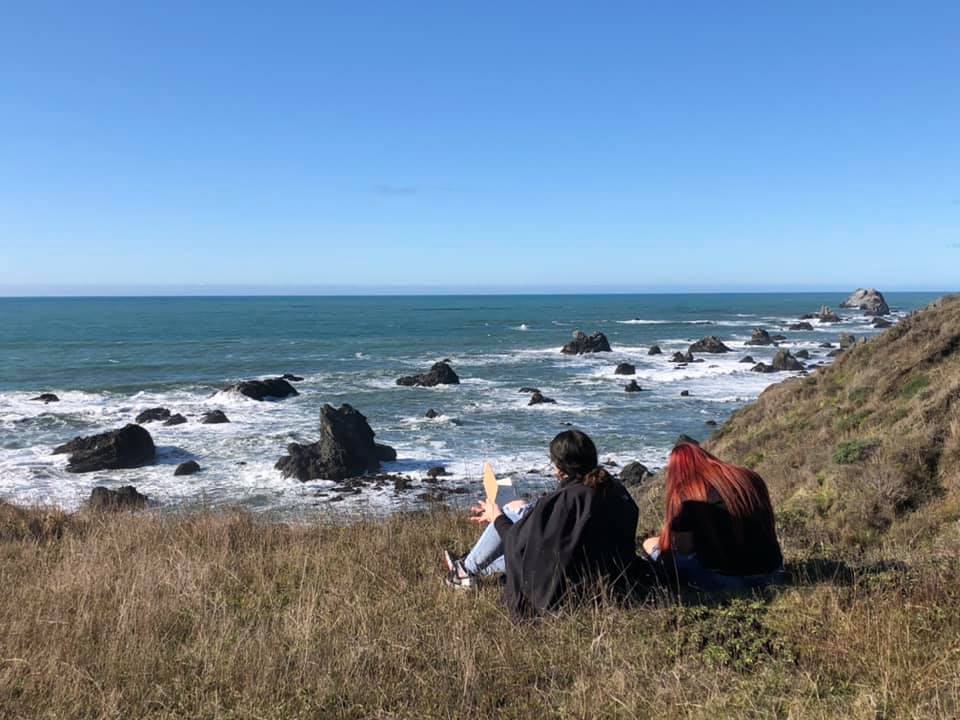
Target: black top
[[729, 545], [571, 535]]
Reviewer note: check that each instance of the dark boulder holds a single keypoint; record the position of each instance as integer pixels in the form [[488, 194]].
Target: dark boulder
[[709, 344], [290, 377], [826, 315], [152, 414], [214, 417], [763, 368], [431, 413], [808, 316], [345, 449], [654, 350], [800, 326], [846, 340], [783, 361], [177, 419], [760, 337], [778, 338], [684, 438], [826, 345], [583, 343], [385, 453], [634, 473], [632, 387], [263, 389], [747, 359], [46, 398], [871, 301], [684, 393], [130, 446], [439, 374], [625, 368], [711, 423], [124, 498], [538, 398], [437, 472], [187, 468], [679, 357], [881, 323], [802, 354], [529, 390]]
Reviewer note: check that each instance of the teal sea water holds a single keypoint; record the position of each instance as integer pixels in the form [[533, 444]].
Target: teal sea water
[[109, 358]]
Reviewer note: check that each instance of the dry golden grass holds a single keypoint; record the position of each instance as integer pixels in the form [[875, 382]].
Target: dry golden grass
[[227, 616]]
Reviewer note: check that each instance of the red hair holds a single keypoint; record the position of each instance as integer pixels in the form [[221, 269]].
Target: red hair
[[692, 473]]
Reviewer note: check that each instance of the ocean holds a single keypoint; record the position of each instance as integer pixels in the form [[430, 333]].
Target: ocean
[[109, 358]]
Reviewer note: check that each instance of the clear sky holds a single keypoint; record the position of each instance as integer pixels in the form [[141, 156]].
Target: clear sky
[[624, 145]]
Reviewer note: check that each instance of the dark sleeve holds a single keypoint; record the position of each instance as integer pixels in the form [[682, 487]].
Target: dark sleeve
[[689, 517], [503, 524]]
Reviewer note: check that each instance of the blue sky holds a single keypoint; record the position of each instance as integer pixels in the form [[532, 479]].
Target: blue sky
[[631, 146]]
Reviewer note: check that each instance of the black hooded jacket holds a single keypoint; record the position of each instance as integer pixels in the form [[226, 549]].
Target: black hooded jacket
[[571, 536]]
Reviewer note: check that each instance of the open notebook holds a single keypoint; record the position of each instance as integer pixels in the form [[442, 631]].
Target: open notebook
[[500, 490]]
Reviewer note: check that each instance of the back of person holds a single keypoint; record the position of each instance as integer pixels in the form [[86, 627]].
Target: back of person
[[573, 538]]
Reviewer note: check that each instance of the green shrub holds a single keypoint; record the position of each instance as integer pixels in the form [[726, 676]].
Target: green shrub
[[851, 452], [860, 395], [913, 386]]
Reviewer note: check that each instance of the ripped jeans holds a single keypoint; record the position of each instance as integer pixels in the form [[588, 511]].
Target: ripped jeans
[[486, 557]]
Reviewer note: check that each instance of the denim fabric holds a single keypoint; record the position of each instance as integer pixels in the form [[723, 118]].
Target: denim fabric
[[486, 557]]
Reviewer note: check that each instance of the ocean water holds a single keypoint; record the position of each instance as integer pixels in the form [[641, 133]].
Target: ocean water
[[109, 358]]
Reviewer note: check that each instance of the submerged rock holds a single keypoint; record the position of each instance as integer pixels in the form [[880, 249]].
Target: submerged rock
[[802, 354], [800, 326], [747, 359], [431, 414], [709, 344], [625, 368], [152, 414], [870, 300], [439, 374], [538, 398], [679, 357], [529, 390], [262, 389], [345, 449], [176, 419], [684, 393], [46, 398], [881, 323], [583, 343], [763, 368], [187, 468], [124, 498], [214, 417], [632, 387], [130, 446], [634, 473]]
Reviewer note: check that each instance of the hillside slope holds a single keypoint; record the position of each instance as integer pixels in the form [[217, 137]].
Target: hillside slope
[[868, 448]]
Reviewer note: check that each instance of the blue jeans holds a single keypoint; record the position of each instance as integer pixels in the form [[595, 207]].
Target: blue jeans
[[691, 572], [486, 557]]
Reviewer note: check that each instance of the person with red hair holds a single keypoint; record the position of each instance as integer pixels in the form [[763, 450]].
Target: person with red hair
[[718, 528]]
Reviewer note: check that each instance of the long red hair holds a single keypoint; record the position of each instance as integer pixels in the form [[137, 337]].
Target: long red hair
[[692, 473]]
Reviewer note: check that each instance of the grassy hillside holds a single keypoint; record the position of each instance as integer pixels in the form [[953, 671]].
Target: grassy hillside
[[866, 450], [227, 616]]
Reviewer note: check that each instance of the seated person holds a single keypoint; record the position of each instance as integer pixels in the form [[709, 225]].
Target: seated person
[[718, 530], [584, 530]]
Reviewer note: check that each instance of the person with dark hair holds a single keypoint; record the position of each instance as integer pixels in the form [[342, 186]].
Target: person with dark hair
[[582, 533], [718, 529]]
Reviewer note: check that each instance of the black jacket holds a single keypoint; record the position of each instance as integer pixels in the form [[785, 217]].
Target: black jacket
[[571, 536]]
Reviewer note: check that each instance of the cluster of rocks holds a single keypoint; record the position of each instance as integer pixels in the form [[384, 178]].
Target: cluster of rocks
[[537, 397], [710, 344], [783, 361], [278, 387], [168, 419]]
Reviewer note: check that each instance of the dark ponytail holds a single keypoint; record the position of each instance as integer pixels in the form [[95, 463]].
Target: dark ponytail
[[575, 455]]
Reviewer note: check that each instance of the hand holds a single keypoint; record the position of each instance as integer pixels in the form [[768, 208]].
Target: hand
[[486, 511], [651, 544]]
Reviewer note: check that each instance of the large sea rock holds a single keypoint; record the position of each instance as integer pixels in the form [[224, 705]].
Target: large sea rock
[[783, 361], [634, 473], [263, 389], [760, 337], [826, 315], [345, 449], [130, 446], [152, 415], [439, 374], [870, 300], [709, 344], [583, 343]]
